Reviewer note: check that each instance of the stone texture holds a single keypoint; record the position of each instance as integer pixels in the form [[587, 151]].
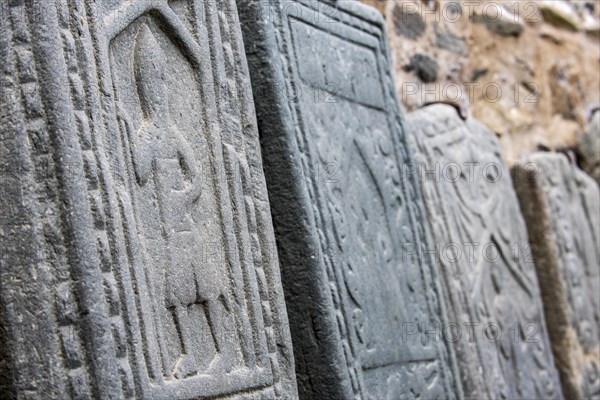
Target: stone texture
[[408, 24], [560, 204], [559, 14], [500, 21], [346, 222], [539, 86], [588, 147], [444, 39], [482, 253], [137, 248], [424, 66]]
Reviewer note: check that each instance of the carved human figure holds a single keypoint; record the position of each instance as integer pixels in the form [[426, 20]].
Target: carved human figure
[[163, 156]]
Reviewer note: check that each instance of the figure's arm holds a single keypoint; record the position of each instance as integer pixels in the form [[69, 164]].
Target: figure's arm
[[140, 145]]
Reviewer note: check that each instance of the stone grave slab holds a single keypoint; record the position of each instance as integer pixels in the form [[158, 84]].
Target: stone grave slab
[[482, 250], [360, 298], [561, 206], [137, 247]]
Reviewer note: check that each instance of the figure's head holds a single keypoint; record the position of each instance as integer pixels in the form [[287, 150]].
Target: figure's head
[[149, 69]]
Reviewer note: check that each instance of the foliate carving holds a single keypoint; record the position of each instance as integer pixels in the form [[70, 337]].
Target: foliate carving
[[152, 226], [560, 204], [483, 253], [333, 149]]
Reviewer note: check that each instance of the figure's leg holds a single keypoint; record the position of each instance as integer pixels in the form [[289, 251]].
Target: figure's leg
[[186, 365], [217, 328], [220, 314], [216, 313], [181, 293]]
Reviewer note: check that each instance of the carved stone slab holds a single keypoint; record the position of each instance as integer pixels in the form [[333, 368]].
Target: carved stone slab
[[561, 205], [482, 251], [333, 146], [138, 256]]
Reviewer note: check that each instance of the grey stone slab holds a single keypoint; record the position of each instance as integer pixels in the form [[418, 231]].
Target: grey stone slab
[[483, 253], [360, 300], [561, 205], [137, 250]]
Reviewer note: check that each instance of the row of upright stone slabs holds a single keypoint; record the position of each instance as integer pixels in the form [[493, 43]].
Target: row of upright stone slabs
[[136, 257], [561, 205], [359, 297], [136, 231], [483, 254]]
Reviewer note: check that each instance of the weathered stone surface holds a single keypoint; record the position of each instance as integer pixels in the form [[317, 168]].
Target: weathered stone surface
[[500, 21], [137, 252], [333, 148], [588, 147], [559, 14], [560, 204], [408, 23], [424, 66], [444, 39], [481, 246], [521, 98]]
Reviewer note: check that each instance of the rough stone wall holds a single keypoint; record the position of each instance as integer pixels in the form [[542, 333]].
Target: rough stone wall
[[527, 69]]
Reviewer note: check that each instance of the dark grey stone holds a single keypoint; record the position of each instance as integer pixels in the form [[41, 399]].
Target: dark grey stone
[[346, 221], [483, 254], [561, 206], [137, 248], [588, 147], [424, 66], [452, 7], [478, 73], [444, 39], [407, 23]]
